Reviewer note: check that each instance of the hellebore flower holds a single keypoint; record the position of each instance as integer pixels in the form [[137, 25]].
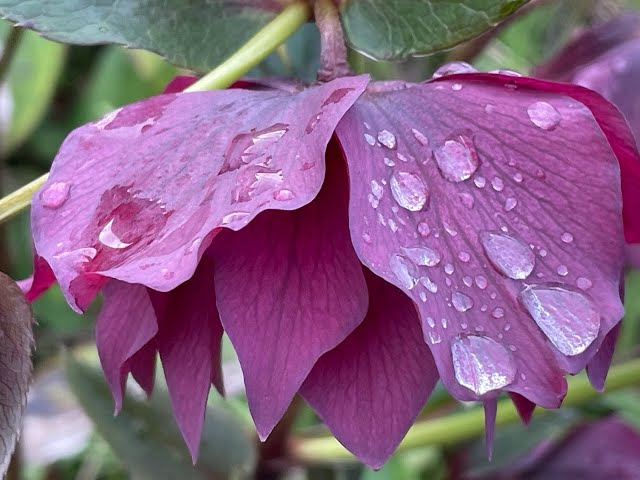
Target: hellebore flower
[[355, 241]]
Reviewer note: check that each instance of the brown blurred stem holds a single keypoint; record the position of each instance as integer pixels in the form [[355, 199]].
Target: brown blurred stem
[[333, 50]]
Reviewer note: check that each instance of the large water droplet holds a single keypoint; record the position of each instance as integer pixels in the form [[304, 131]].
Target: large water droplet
[[246, 148], [498, 184], [252, 181], [544, 116], [409, 191], [482, 364], [404, 270], [461, 302], [377, 189], [569, 319], [508, 255], [422, 256], [55, 195], [388, 139], [452, 68], [109, 238], [457, 159]]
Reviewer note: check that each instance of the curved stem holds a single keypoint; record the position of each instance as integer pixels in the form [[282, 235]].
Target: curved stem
[[17, 201], [465, 425], [333, 50], [256, 49]]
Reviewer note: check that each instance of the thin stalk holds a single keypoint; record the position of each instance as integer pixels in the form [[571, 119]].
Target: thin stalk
[[20, 199], [9, 50], [333, 50], [461, 426], [256, 49]]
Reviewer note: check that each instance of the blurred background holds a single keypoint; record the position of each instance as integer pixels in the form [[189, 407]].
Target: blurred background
[[69, 432]]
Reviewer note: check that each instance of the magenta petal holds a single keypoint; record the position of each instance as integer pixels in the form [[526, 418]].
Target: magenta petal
[[598, 367], [39, 282], [370, 388], [496, 206], [490, 411], [189, 342], [289, 288], [142, 366], [126, 323], [134, 195], [524, 407]]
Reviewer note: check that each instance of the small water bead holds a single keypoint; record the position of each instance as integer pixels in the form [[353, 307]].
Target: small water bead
[[456, 87], [481, 282], [568, 318], [464, 257], [109, 238], [497, 312], [431, 322], [434, 338], [543, 252], [510, 203], [404, 270], [484, 308], [370, 139], [423, 296], [481, 364], [489, 108], [420, 137], [584, 283], [480, 182], [467, 280], [562, 270], [517, 177], [402, 158], [566, 237], [409, 191], [443, 322], [234, 217], [449, 269], [447, 282], [393, 225], [540, 174], [429, 284], [467, 199], [424, 229], [461, 302], [449, 229], [507, 327], [377, 189], [55, 195], [498, 184], [453, 68], [508, 255], [544, 115], [422, 256], [373, 201], [464, 326], [366, 237], [388, 139], [389, 163], [283, 195], [457, 159]]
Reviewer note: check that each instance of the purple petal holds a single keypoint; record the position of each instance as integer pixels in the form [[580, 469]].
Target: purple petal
[[524, 407], [126, 323], [490, 411], [189, 340], [135, 195], [289, 288], [142, 366], [370, 388], [598, 367], [496, 206], [39, 282]]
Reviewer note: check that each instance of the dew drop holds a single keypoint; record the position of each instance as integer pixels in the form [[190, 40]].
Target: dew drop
[[377, 189], [510, 203], [248, 147], [481, 282], [461, 302], [283, 195], [423, 296], [480, 182], [409, 191], [369, 139], [443, 322], [497, 312], [424, 229], [393, 225], [404, 270], [457, 159], [517, 177], [584, 283], [562, 270], [429, 284], [544, 116], [453, 68], [464, 257], [234, 217], [467, 199], [419, 136], [366, 237], [467, 280], [431, 322], [373, 201], [109, 238], [456, 87], [55, 195], [489, 108], [543, 252], [566, 237], [508, 255], [448, 269], [498, 184], [482, 364], [422, 256], [388, 162], [388, 139], [449, 229], [569, 319]]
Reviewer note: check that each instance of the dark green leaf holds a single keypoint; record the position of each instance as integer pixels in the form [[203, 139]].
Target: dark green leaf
[[197, 34], [396, 29], [146, 440]]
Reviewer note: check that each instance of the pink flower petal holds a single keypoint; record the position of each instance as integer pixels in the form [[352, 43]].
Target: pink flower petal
[[39, 282], [490, 411], [525, 407], [494, 203], [126, 324], [189, 344], [289, 288], [598, 367], [134, 195], [142, 366], [370, 388]]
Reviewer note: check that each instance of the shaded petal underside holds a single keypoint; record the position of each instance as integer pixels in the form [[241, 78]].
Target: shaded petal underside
[[480, 195], [289, 287], [135, 195]]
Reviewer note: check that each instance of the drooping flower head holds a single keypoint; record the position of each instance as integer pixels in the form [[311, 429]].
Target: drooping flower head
[[355, 240]]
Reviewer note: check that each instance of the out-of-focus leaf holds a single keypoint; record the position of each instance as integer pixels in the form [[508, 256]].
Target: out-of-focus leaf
[[393, 30], [148, 443], [16, 340], [27, 91], [630, 334], [626, 404], [197, 34], [151, 68]]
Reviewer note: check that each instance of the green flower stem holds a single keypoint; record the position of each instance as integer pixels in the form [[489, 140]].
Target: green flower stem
[[256, 49], [249, 55], [465, 425], [17, 201]]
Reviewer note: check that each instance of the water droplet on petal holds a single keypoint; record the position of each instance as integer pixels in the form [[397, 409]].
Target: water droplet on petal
[[377, 189], [482, 364], [55, 195], [419, 136], [429, 284], [467, 199], [584, 283], [283, 195], [452, 68], [448, 269], [404, 270], [424, 229], [480, 182], [370, 140], [461, 302], [510, 203], [457, 159], [422, 256], [388, 139], [248, 147], [489, 108], [449, 229], [234, 217], [366, 237], [566, 237], [543, 252], [389, 163], [108, 237], [456, 87], [562, 270], [481, 282], [508, 255], [464, 257], [569, 319], [544, 116], [497, 312], [467, 280], [409, 191], [498, 184], [517, 177]]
